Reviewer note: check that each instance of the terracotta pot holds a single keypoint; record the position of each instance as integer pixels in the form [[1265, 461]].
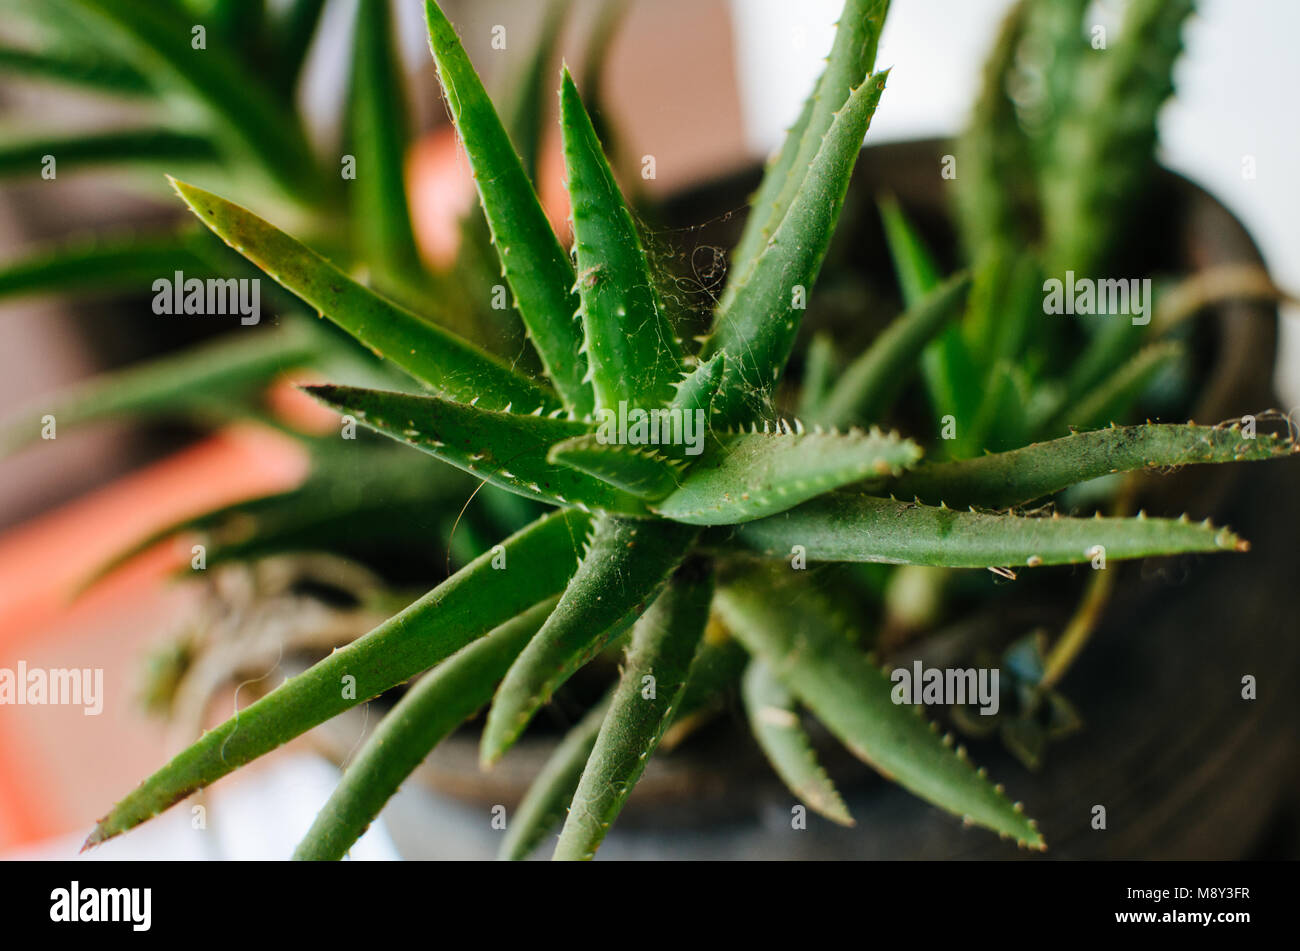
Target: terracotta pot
[[59, 767]]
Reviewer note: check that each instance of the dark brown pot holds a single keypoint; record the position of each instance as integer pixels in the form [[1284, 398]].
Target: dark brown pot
[[1183, 765]]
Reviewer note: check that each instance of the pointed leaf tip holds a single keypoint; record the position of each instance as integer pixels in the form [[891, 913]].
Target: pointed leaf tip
[[536, 267], [630, 344], [440, 359], [505, 448]]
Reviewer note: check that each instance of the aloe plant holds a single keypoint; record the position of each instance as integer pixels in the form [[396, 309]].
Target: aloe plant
[[690, 554], [146, 54]]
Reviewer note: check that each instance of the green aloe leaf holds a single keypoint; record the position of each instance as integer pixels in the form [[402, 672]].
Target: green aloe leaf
[[378, 136], [1112, 398], [852, 697], [1000, 480], [633, 353], [699, 388], [1005, 299], [914, 264], [428, 353], [756, 326], [159, 37], [1112, 345], [851, 527], [719, 664], [71, 153], [852, 57], [754, 475], [764, 211], [642, 472], [1001, 420], [506, 449], [98, 73], [994, 185], [664, 645], [116, 262], [535, 265], [546, 803], [947, 365], [624, 567], [1053, 50], [819, 374], [429, 712], [478, 598], [240, 19], [774, 720], [870, 384], [1102, 152], [203, 382]]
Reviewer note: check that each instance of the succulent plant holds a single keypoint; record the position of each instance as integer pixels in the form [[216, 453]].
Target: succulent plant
[[689, 553], [221, 103], [211, 87]]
